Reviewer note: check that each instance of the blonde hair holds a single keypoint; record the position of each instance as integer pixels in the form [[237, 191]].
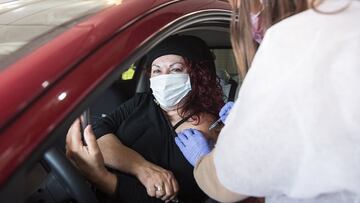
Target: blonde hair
[[244, 46]]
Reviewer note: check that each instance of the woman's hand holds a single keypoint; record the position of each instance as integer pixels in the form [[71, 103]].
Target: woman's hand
[[89, 159], [159, 182]]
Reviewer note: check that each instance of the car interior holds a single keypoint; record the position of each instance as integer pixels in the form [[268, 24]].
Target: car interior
[[54, 179], [135, 80]]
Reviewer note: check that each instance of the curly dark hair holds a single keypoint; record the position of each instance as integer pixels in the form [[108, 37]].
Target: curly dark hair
[[206, 94]]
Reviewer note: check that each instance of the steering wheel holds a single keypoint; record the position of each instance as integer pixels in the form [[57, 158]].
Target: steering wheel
[[69, 177]]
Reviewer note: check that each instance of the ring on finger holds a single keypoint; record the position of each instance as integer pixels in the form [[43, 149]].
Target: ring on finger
[[158, 188]]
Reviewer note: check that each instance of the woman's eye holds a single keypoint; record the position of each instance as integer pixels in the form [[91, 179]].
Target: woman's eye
[[177, 70], [155, 71]]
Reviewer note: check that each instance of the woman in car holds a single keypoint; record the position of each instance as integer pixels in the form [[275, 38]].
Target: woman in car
[[137, 140]]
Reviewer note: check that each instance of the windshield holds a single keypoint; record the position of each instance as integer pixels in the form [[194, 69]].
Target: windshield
[[27, 24]]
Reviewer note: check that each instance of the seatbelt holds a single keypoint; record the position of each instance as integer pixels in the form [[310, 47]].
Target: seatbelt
[[182, 121]]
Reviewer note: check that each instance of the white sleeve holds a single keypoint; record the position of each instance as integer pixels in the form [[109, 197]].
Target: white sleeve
[[295, 128]]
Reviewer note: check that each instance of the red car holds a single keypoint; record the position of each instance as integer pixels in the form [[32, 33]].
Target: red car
[[59, 58]]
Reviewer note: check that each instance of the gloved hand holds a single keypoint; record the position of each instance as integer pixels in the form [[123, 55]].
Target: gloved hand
[[193, 145], [225, 110]]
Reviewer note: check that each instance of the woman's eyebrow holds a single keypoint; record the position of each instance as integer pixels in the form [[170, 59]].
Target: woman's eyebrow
[[176, 63], [155, 65], [158, 66]]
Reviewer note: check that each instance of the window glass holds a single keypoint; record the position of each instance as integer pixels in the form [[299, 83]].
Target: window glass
[[226, 70], [225, 61]]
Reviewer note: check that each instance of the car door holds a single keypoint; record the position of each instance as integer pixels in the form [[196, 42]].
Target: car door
[[44, 123]]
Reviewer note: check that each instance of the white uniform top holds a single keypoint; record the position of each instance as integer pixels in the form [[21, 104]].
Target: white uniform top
[[293, 135]]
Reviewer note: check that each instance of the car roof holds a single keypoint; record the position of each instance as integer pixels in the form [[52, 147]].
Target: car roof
[[24, 25]]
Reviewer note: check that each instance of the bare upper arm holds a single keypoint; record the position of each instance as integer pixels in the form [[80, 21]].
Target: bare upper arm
[[206, 178], [205, 121]]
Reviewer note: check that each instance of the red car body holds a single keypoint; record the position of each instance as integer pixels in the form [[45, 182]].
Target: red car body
[[42, 88]]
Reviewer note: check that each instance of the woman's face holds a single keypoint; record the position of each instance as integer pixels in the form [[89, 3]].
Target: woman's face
[[168, 64]]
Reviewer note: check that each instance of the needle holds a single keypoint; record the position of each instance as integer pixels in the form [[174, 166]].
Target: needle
[[215, 124]]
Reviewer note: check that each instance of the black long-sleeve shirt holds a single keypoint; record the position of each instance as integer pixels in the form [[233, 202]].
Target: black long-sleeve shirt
[[141, 125]]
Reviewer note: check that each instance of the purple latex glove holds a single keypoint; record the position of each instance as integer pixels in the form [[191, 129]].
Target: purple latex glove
[[225, 110], [193, 145]]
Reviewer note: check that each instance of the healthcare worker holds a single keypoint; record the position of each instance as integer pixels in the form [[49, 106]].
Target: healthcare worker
[[293, 135], [136, 140]]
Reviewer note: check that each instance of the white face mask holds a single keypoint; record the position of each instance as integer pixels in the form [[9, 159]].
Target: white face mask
[[170, 89]]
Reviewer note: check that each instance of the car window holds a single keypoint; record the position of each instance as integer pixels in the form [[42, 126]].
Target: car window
[[225, 61], [227, 71]]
